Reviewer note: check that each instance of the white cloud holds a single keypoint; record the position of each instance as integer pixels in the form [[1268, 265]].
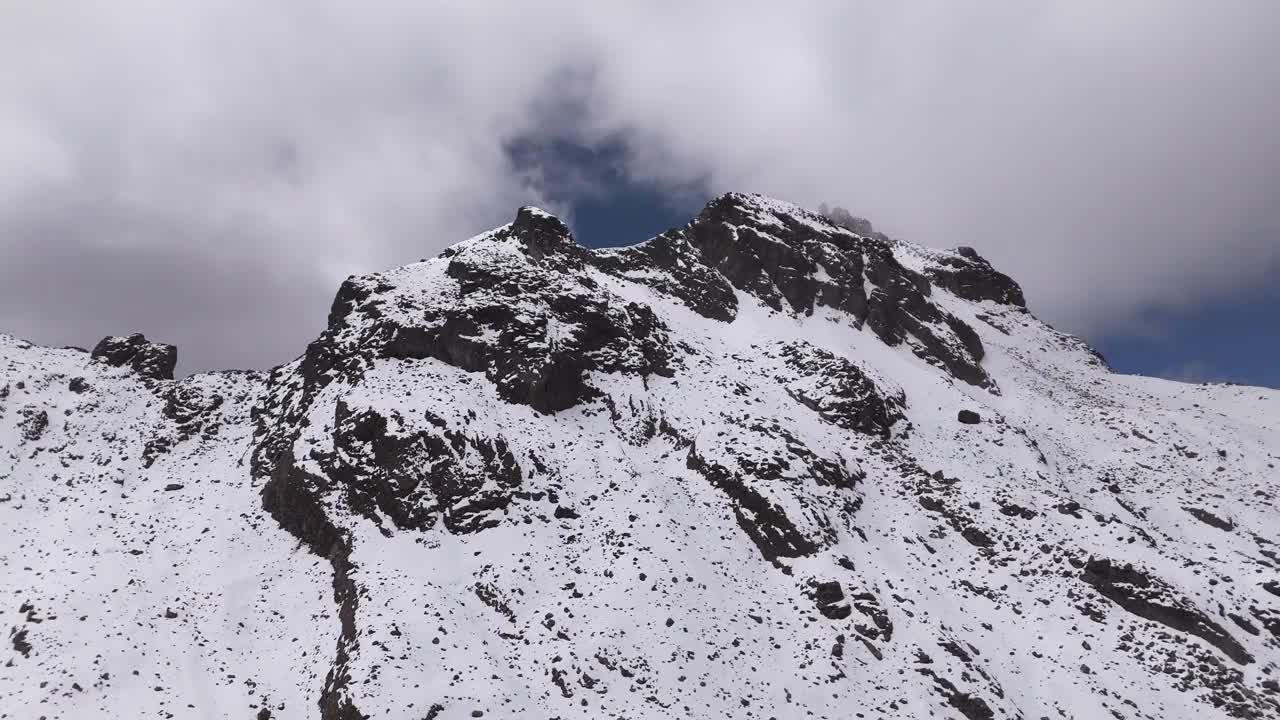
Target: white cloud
[[1111, 157]]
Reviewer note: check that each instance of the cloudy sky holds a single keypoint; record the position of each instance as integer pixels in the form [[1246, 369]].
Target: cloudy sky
[[206, 171]]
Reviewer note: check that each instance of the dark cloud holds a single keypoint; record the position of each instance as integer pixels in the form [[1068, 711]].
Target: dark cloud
[[208, 171], [221, 309]]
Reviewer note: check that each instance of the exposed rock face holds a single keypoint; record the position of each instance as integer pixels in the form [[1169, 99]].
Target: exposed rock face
[[534, 327], [1147, 597], [150, 360], [840, 392], [763, 521], [193, 410], [415, 477], [1209, 518], [674, 267], [763, 465], [782, 254], [970, 276], [518, 306]]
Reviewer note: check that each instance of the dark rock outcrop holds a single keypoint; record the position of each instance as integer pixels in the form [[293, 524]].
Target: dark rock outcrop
[[194, 411], [18, 637], [831, 600], [673, 266], [535, 329], [771, 264], [797, 260], [1148, 597], [414, 476], [870, 606], [840, 392], [970, 276], [763, 521], [1210, 519], [534, 322], [542, 233], [152, 360], [973, 708]]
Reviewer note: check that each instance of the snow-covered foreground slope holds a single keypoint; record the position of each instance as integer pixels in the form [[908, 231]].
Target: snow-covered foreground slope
[[720, 474], [141, 581]]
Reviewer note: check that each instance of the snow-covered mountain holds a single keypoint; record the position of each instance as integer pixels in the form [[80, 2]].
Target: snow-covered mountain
[[762, 466]]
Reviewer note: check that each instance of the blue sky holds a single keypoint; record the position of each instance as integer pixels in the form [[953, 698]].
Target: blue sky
[[1235, 338]]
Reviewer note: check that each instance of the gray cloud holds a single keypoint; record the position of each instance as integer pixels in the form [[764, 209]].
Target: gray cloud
[[207, 171]]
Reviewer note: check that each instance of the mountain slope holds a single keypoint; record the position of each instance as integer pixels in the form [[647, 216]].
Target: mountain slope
[[759, 466]]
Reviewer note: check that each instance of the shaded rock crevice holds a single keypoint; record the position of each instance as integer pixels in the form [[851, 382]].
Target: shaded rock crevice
[[291, 496]]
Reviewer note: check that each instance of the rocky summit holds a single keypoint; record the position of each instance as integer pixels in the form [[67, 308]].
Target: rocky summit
[[764, 465]]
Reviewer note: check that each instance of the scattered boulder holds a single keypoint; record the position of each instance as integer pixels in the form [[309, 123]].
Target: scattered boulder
[[20, 642], [974, 708], [969, 417], [831, 600], [1209, 518]]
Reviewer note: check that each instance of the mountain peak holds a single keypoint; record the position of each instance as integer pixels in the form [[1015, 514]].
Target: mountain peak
[[761, 465], [538, 223]]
